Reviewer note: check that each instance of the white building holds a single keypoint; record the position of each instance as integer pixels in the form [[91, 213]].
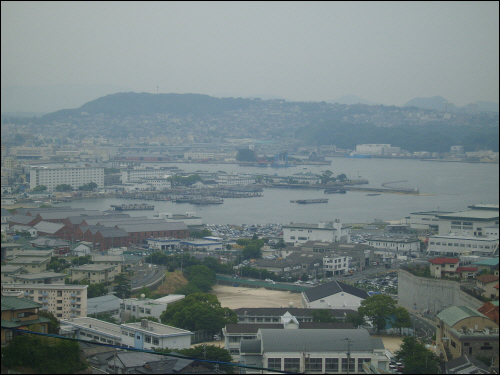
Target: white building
[[202, 244], [138, 174], [189, 218], [64, 301], [163, 243], [450, 245], [377, 149], [146, 307], [338, 265], [427, 220], [315, 351], [328, 231], [74, 176], [395, 244], [144, 335], [333, 295], [469, 223], [231, 179]]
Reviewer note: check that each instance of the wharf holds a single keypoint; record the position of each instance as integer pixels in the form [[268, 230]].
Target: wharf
[[131, 207]]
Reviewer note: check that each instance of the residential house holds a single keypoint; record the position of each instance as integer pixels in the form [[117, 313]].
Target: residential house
[[21, 313], [490, 309], [440, 267], [486, 285]]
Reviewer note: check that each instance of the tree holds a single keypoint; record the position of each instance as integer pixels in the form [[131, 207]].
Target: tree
[[53, 324], [356, 320], [40, 188], [323, 316], [417, 358], [198, 311], [342, 177], [88, 187], [402, 319], [378, 309], [246, 154], [123, 289], [96, 290], [64, 187]]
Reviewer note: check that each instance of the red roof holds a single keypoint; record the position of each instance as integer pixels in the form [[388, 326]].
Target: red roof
[[462, 269], [444, 260], [496, 286], [487, 278]]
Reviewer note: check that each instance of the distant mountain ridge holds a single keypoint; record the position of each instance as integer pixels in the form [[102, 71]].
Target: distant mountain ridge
[[438, 103]]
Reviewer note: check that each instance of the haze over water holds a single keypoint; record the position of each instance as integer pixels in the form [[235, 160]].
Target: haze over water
[[444, 186]]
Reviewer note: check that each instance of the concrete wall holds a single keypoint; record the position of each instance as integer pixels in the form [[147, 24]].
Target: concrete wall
[[421, 293]]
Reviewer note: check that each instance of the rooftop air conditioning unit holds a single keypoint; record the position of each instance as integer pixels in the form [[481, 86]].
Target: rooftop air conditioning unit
[[470, 331], [460, 331]]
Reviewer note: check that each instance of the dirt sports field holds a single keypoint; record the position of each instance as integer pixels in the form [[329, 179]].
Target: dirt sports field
[[238, 297]]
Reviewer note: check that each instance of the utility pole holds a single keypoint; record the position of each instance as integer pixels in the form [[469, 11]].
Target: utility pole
[[348, 354]]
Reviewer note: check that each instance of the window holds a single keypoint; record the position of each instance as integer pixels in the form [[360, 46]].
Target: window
[[59, 315], [314, 364], [23, 315], [292, 364], [156, 341], [59, 301], [331, 364], [131, 334], [292, 237], [351, 364], [141, 309], [148, 339], [274, 363], [59, 308], [59, 293], [148, 311]]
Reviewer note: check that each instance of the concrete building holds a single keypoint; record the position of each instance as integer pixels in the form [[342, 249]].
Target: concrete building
[[163, 243], [403, 245], [64, 301], [425, 221], [202, 244], [39, 278], [469, 223], [337, 265], [334, 295], [314, 350], [461, 330], [234, 333], [440, 267], [457, 245], [18, 313], [108, 304], [94, 273], [31, 264], [327, 231], [9, 250], [146, 307], [144, 335], [110, 260], [189, 218], [487, 285], [74, 176], [8, 271], [138, 174]]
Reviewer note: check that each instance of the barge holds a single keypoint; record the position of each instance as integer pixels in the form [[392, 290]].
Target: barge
[[335, 191]]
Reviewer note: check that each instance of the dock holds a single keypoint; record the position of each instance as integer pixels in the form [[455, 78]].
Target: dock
[[131, 207]]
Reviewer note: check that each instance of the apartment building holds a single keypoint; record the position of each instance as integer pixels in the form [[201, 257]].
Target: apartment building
[[74, 176], [138, 174], [31, 264], [110, 260], [94, 273], [146, 307], [39, 278], [64, 301]]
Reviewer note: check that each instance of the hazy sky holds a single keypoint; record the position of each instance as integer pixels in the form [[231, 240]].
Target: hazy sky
[[382, 51]]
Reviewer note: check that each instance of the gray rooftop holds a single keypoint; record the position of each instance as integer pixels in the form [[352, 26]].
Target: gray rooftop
[[316, 340], [482, 215], [39, 275], [92, 267], [331, 288], [48, 227], [20, 219], [8, 268], [101, 304], [29, 260], [5, 212], [145, 227]]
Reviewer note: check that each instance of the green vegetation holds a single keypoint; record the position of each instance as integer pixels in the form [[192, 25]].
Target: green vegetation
[[96, 290], [323, 316], [88, 187], [356, 319], [432, 137], [53, 324], [39, 188], [252, 249], [123, 289], [200, 277], [378, 309], [417, 358], [63, 187], [42, 355], [57, 264], [198, 311], [184, 181], [245, 154], [201, 234]]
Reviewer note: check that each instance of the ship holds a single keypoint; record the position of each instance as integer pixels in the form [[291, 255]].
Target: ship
[[362, 156], [335, 191], [309, 201]]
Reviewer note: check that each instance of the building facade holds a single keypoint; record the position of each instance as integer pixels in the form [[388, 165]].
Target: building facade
[[74, 176]]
